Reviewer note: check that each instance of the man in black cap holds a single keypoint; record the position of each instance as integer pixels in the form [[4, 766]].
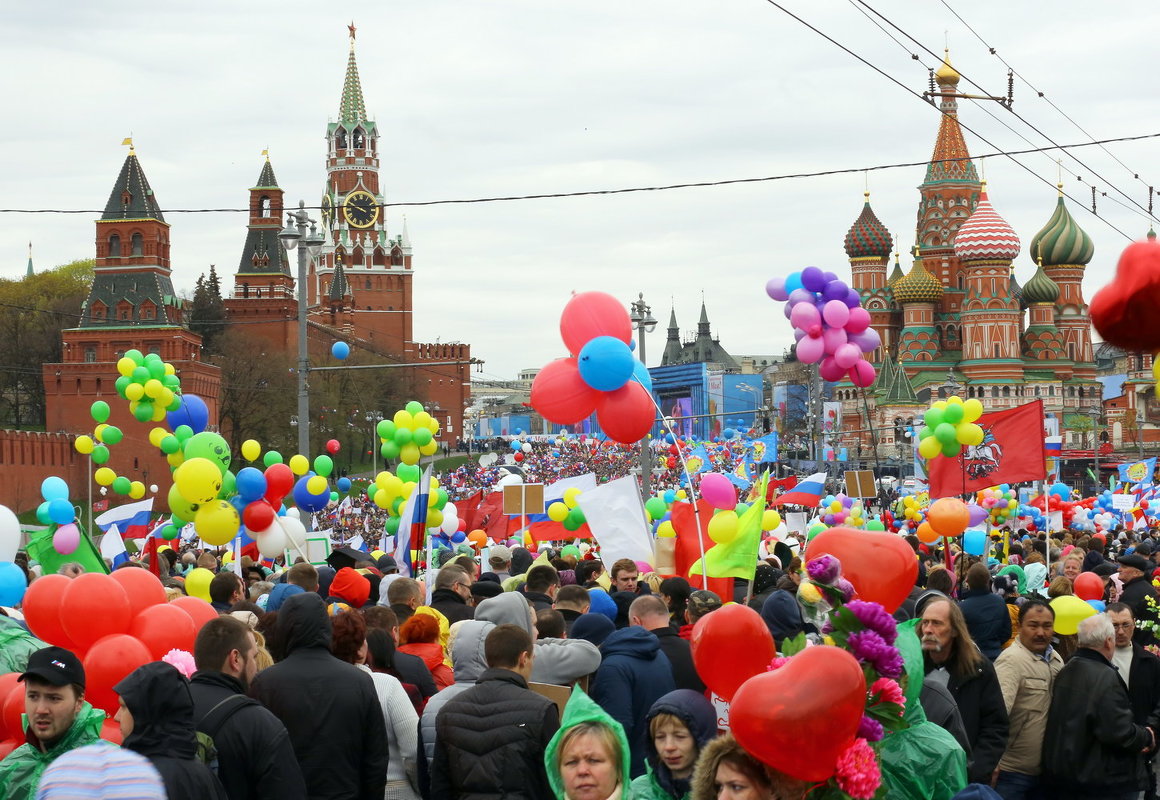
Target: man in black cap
[[1136, 575], [59, 720]]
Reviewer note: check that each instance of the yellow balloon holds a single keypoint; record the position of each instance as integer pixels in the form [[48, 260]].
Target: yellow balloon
[[134, 391], [104, 476], [430, 448], [422, 419], [973, 409], [1069, 611], [175, 459], [216, 522], [723, 527], [156, 435], [165, 398], [299, 464], [84, 445], [409, 453], [666, 530], [197, 583], [770, 520], [682, 494], [954, 400], [434, 518], [153, 387], [126, 365], [136, 490], [570, 496], [558, 512], [170, 369], [407, 489], [99, 431], [158, 412], [382, 499], [199, 481], [433, 426], [316, 485], [929, 447], [403, 419], [251, 449]]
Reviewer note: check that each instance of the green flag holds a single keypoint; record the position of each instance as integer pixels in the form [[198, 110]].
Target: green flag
[[40, 549], [738, 558]]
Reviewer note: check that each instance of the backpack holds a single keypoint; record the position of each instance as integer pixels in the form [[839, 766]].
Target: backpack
[[209, 725]]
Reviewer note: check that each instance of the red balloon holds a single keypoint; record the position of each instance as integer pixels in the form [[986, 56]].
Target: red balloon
[[42, 605], [7, 746], [626, 414], [730, 646], [259, 515], [94, 606], [163, 628], [592, 314], [333, 446], [1089, 586], [11, 710], [279, 482], [561, 395], [198, 610], [817, 697], [519, 457], [881, 566], [142, 587], [107, 663], [111, 732], [7, 683]]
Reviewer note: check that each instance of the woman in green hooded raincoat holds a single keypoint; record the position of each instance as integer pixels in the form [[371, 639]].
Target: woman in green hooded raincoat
[[587, 759]]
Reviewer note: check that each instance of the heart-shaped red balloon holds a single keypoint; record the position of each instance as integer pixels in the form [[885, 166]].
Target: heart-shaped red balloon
[[730, 646], [881, 566], [799, 718], [1124, 311]]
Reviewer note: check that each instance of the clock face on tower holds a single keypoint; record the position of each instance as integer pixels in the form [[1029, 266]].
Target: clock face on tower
[[361, 209], [327, 211]]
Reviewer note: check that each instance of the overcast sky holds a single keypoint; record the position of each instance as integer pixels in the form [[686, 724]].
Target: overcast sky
[[509, 97]]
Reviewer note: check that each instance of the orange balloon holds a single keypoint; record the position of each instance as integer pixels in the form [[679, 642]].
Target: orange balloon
[[477, 538], [949, 516], [927, 534]]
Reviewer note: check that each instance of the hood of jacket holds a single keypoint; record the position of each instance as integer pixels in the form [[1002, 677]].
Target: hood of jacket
[[430, 652], [351, 587], [303, 622], [509, 608], [704, 780], [467, 652], [1020, 575], [86, 728], [325, 578], [697, 713], [910, 647], [634, 642], [522, 560], [158, 697], [582, 708], [280, 594], [1036, 575], [782, 615]]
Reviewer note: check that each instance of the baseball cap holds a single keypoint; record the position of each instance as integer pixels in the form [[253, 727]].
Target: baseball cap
[[499, 555], [703, 601], [56, 666]]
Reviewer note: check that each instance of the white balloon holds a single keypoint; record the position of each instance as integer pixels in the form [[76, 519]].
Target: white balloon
[[450, 522], [510, 480], [272, 541], [9, 534], [527, 448], [293, 512], [450, 509], [153, 488], [295, 533]]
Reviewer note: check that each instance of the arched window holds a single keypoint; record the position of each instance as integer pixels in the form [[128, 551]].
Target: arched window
[[368, 284], [138, 244], [1006, 391], [340, 139], [245, 290], [264, 206], [114, 246], [359, 139]]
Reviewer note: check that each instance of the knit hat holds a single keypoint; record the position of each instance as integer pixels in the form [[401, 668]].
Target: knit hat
[[351, 587], [591, 627], [101, 772]]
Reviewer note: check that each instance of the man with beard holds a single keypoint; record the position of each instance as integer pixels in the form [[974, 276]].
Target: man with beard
[[255, 757], [950, 656]]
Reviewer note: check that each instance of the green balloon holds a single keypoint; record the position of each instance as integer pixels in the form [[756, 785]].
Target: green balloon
[[396, 507], [271, 458], [875, 525], [403, 436], [169, 533], [386, 429], [170, 445], [175, 404], [229, 485], [414, 407], [442, 499], [121, 484], [392, 526], [925, 433], [946, 434], [112, 435], [210, 446], [409, 473], [100, 411], [571, 524], [140, 375], [180, 506], [334, 497], [951, 449], [577, 514], [156, 368], [741, 508], [953, 413], [933, 418], [655, 507], [570, 550], [100, 454], [144, 411], [814, 531], [171, 382], [121, 384], [150, 357], [135, 354], [42, 514], [182, 432], [323, 465], [422, 436], [389, 450]]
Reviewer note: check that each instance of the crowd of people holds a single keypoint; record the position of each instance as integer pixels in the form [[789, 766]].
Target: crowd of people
[[564, 677]]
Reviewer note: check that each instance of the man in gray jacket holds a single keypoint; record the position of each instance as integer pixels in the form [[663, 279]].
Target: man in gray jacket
[[558, 661]]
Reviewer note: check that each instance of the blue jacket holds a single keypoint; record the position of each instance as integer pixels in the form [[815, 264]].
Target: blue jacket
[[633, 675], [987, 619]]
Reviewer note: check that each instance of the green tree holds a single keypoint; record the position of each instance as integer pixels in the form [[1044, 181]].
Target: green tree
[[257, 393], [207, 312]]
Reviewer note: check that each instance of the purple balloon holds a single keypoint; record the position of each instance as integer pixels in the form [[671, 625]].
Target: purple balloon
[[833, 338], [801, 296], [805, 316], [830, 276], [798, 333], [810, 349], [977, 514], [813, 279], [866, 341], [787, 309], [835, 290], [775, 288], [853, 299]]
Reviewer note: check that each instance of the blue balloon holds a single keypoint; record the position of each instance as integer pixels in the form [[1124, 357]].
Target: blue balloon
[[53, 487], [60, 511], [340, 350], [307, 501], [728, 433], [12, 584], [974, 542], [239, 503], [1098, 605], [193, 412], [793, 281], [344, 484], [641, 374], [251, 484], [459, 537], [670, 438], [515, 445], [606, 363], [670, 495]]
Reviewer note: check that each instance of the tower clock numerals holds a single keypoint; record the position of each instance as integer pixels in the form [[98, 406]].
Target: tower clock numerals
[[361, 209]]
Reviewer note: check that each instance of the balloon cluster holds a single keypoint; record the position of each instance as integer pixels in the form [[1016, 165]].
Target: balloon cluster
[[1000, 502], [520, 449], [910, 511], [149, 384], [567, 511], [97, 447], [841, 509], [601, 375], [12, 579], [408, 435], [950, 424], [830, 325]]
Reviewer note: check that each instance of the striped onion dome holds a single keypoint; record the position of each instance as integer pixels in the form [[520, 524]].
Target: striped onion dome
[[1041, 288], [986, 236], [868, 237], [917, 286], [1062, 241]]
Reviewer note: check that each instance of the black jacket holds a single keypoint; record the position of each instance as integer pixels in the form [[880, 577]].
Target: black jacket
[[1135, 594], [569, 616], [329, 707], [538, 601], [451, 605], [987, 619], [157, 696], [1144, 688], [490, 741], [984, 716], [414, 670], [680, 656], [255, 758], [1092, 746]]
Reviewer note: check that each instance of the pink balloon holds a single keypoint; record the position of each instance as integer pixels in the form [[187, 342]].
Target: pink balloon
[[717, 491], [867, 341], [836, 313], [775, 288], [833, 338], [805, 316], [829, 370], [810, 349], [863, 374], [66, 539], [858, 321], [847, 355]]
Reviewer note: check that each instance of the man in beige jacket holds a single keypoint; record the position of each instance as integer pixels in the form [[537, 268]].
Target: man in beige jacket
[[1026, 672]]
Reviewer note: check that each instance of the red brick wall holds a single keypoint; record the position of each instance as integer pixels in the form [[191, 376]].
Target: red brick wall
[[28, 457]]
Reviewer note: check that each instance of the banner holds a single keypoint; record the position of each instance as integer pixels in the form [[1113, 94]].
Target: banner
[[1138, 472], [1012, 450]]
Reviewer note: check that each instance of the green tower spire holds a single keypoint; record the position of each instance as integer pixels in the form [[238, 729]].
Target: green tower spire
[[352, 109]]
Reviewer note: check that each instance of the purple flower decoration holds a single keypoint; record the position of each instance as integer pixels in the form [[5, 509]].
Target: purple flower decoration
[[824, 569], [847, 589], [875, 618], [871, 649], [870, 729]]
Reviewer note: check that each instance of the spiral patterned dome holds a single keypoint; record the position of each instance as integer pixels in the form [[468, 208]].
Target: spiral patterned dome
[[1062, 241], [868, 237], [917, 286], [1041, 288], [986, 236]]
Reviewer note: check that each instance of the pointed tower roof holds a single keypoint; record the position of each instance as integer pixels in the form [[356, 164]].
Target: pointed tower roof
[[901, 392], [1062, 241], [339, 287], [896, 273], [673, 350], [132, 197], [673, 329], [266, 179], [868, 237], [1041, 288], [29, 273], [887, 374], [1017, 292], [950, 161], [352, 109], [986, 236]]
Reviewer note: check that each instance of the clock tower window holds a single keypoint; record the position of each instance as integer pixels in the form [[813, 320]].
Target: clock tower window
[[359, 139], [340, 139], [114, 246]]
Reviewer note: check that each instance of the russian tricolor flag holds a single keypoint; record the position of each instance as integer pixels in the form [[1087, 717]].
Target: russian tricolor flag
[[113, 547], [131, 519], [808, 492], [413, 525]]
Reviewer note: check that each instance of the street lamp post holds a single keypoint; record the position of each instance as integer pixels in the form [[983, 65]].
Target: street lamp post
[[374, 418], [295, 232], [1094, 413], [643, 320]]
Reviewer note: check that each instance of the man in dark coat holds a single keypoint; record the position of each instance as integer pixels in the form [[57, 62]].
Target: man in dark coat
[[452, 591], [156, 719], [1093, 748], [986, 613], [490, 739], [951, 657], [329, 707], [255, 758], [542, 586], [411, 669], [1135, 572], [1141, 672], [650, 612], [634, 673]]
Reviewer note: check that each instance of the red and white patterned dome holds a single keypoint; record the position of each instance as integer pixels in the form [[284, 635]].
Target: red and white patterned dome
[[986, 236]]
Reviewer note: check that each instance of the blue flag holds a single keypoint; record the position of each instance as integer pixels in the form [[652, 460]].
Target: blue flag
[[1138, 472]]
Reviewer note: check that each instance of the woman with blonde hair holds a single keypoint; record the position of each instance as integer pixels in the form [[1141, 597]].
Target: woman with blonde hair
[[588, 757]]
